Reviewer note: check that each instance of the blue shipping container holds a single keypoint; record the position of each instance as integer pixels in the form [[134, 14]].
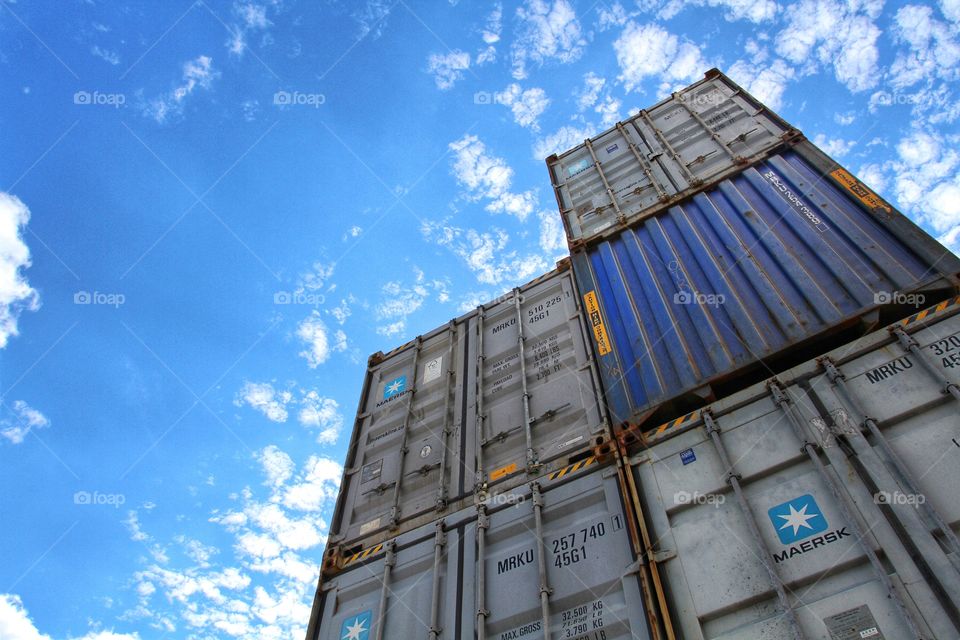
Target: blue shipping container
[[786, 251]]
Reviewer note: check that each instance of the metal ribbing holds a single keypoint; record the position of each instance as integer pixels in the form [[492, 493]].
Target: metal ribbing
[[606, 185], [395, 510], [439, 543], [545, 589], [783, 401], [692, 179], [483, 523], [706, 127], [763, 554], [450, 375], [481, 474], [837, 378], [907, 342], [388, 562], [532, 462], [644, 164]]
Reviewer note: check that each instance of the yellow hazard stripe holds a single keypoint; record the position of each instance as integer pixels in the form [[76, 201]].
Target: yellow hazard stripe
[[363, 555], [573, 468], [673, 424], [926, 312]]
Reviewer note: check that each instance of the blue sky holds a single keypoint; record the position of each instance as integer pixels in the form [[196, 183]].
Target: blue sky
[[212, 212]]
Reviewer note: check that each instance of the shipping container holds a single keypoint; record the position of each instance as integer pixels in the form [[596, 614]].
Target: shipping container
[[548, 559], [820, 504], [789, 256], [500, 395], [700, 135]]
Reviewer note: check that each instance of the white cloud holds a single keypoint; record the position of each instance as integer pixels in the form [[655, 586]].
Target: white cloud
[[314, 412], [21, 420], [841, 35], [547, 31], [321, 413], [592, 85], [835, 147], [315, 280], [494, 24], [926, 182], [951, 9], [111, 57], [845, 119], [553, 239], [276, 464], [265, 399], [487, 176], [16, 294], [649, 50], [611, 16], [753, 10], [447, 68], [486, 253], [342, 311], [564, 138], [197, 73], [313, 333], [264, 588], [15, 624], [766, 82], [527, 105], [372, 17], [400, 300], [872, 176], [933, 49]]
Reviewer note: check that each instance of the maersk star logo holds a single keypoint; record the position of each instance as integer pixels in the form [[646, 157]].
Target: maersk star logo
[[395, 386], [797, 519], [357, 627]]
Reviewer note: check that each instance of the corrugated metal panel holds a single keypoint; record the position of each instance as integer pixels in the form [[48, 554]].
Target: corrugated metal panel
[[736, 274], [817, 482], [550, 559], [662, 154], [459, 409], [526, 414], [403, 460]]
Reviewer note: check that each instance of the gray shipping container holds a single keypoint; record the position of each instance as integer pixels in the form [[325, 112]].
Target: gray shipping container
[[458, 409], [820, 505], [700, 135], [549, 559]]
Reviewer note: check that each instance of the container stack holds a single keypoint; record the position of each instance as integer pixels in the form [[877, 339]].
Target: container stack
[[735, 416]]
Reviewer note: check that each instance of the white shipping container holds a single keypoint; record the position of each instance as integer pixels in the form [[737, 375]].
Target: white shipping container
[[822, 504], [549, 559]]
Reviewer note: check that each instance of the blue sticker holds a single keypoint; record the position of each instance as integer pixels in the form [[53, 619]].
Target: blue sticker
[[612, 148], [395, 387], [797, 519], [357, 627], [688, 456]]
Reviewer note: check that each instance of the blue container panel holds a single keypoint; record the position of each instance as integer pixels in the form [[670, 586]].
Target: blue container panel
[[733, 275]]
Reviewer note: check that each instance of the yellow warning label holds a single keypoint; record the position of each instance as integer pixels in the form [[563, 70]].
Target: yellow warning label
[[503, 472], [860, 190], [596, 321]]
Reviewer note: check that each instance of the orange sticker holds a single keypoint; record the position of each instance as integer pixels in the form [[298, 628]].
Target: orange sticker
[[596, 322], [503, 472], [860, 190]]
